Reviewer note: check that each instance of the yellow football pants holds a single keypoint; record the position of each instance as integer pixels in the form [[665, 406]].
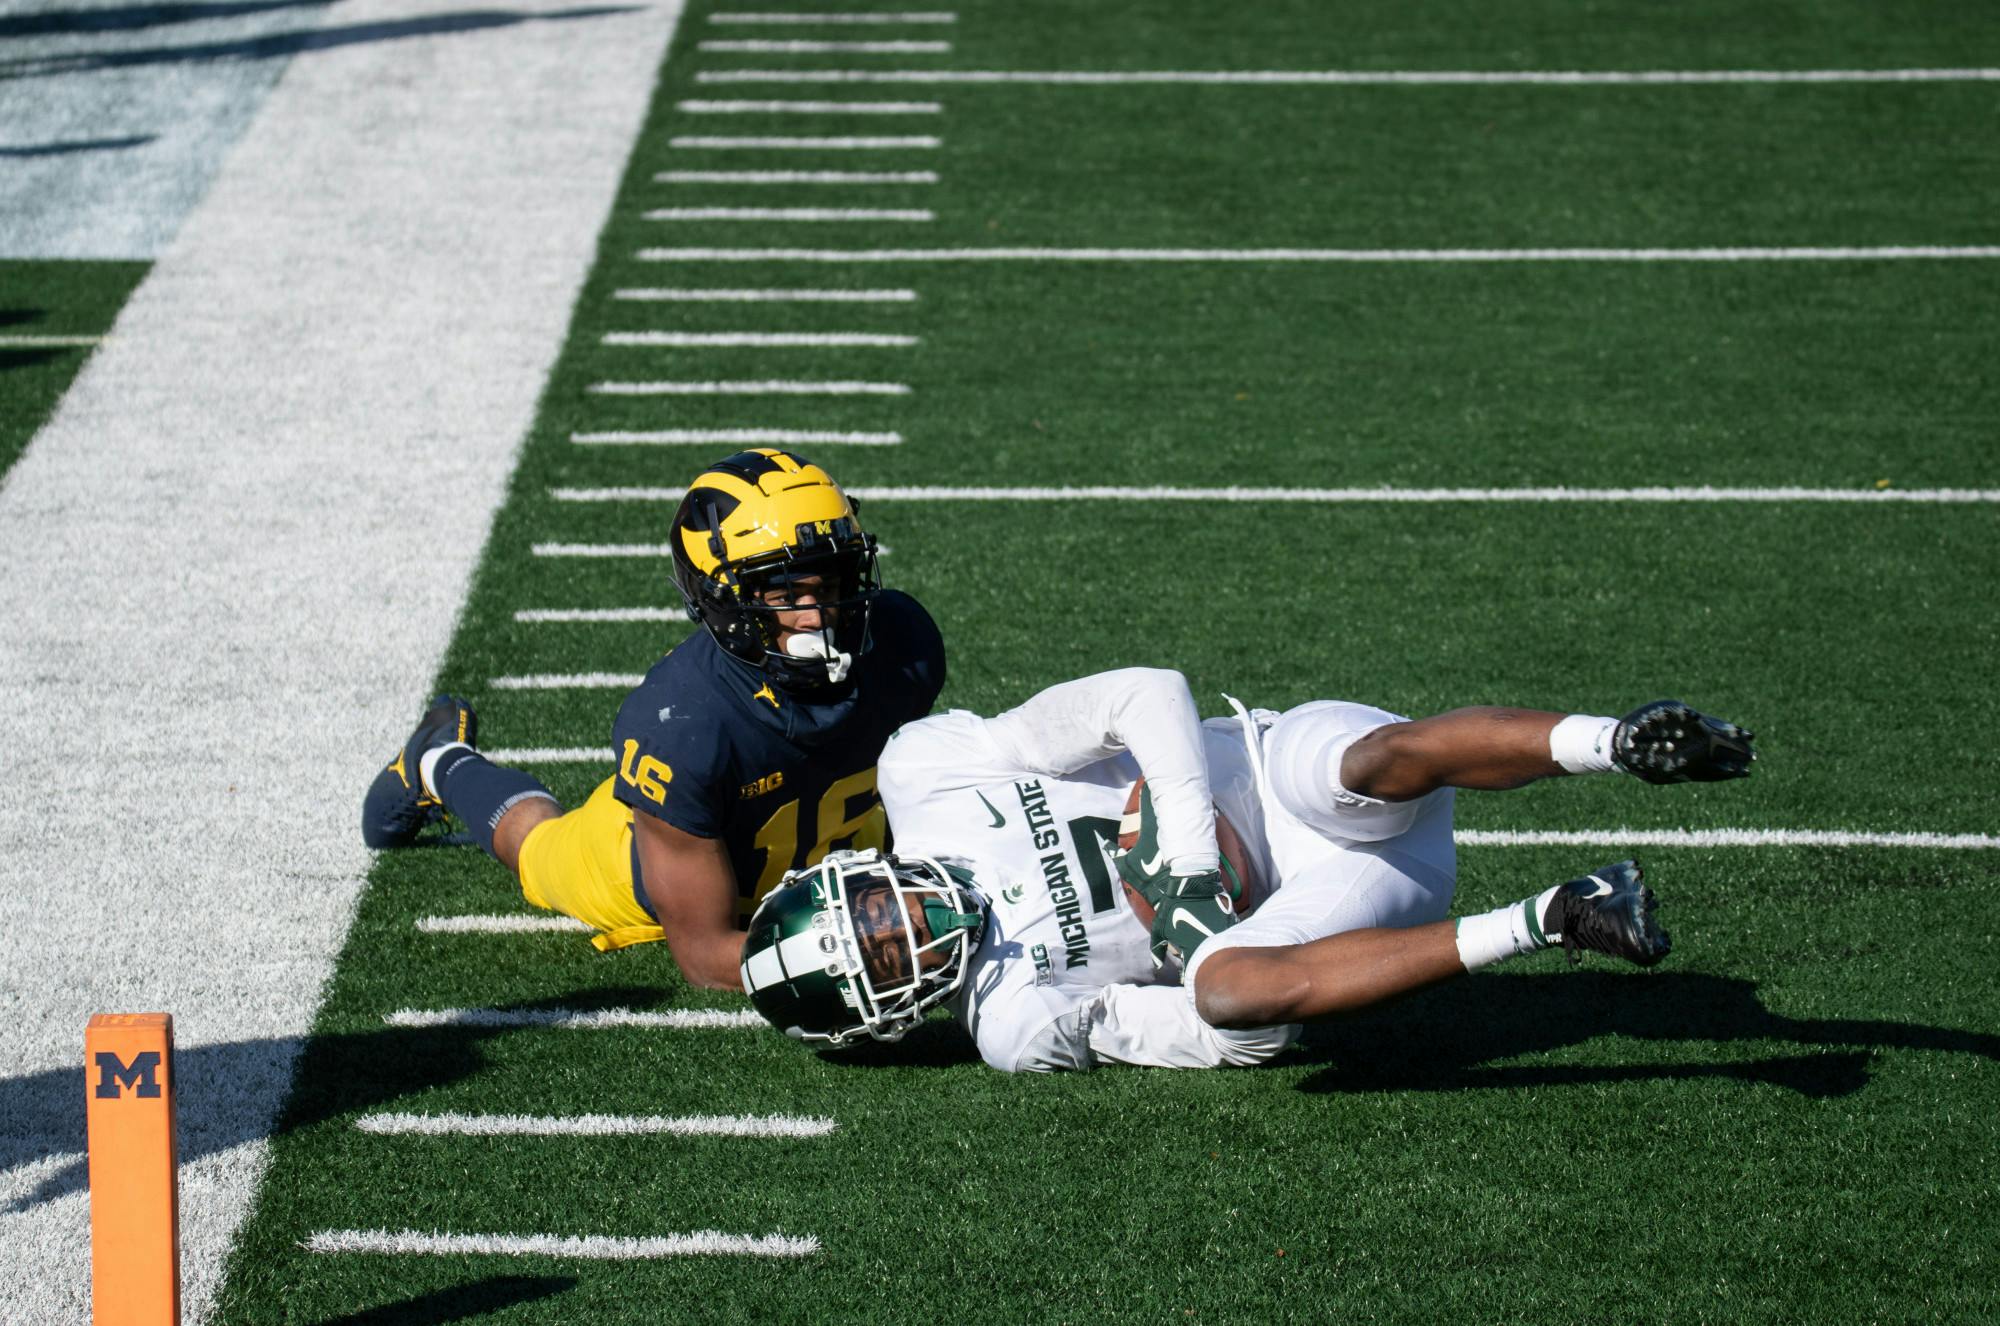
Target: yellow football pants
[[580, 864]]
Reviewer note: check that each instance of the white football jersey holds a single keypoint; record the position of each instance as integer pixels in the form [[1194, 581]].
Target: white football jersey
[[1030, 802]]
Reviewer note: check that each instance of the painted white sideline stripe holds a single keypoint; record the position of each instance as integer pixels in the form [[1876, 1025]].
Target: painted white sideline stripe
[[749, 389], [806, 20], [796, 177], [1877, 254], [733, 143], [509, 923], [810, 107], [790, 214], [600, 615], [597, 1247], [576, 1019], [596, 1125], [183, 443], [676, 296], [552, 755], [567, 681], [756, 338], [1720, 838], [48, 342], [1353, 77], [1343, 495], [758, 46], [667, 437]]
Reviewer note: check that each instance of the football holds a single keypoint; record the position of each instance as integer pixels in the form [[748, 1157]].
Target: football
[[1227, 841]]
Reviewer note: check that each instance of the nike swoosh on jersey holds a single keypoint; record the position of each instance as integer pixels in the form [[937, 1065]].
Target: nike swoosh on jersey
[[999, 820]]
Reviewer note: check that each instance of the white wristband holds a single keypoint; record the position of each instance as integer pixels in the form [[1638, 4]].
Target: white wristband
[[1582, 743]]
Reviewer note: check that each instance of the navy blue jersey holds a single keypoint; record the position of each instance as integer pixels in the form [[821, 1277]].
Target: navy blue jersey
[[709, 745]]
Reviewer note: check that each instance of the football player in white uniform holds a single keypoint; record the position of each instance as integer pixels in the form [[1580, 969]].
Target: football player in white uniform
[[1296, 866]]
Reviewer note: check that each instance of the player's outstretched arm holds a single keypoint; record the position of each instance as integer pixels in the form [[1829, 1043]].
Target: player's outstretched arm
[[693, 893], [1494, 749]]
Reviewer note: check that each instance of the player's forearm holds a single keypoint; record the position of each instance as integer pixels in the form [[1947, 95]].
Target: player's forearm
[[1486, 748], [1147, 711], [710, 961]]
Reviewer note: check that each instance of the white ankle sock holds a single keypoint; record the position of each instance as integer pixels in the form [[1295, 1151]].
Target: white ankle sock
[[1504, 932], [1581, 743], [427, 765]]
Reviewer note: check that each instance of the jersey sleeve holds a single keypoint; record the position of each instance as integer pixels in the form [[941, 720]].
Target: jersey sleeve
[[1157, 1026], [1147, 711], [672, 761], [919, 650], [1148, 1026]]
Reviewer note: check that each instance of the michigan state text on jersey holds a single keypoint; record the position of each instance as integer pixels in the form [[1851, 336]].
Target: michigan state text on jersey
[[747, 751]]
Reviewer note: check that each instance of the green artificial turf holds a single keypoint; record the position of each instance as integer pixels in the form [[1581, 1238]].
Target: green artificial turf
[[1793, 1119], [50, 298]]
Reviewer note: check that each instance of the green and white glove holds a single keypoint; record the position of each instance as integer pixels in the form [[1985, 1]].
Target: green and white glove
[[1188, 910]]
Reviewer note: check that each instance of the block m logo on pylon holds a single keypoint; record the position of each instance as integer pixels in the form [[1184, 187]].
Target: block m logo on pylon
[[142, 1074]]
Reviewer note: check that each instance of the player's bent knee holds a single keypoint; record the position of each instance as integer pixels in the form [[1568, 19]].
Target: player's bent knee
[[1243, 988]]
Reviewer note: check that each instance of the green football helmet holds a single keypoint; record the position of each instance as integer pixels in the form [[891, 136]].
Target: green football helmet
[[861, 944]]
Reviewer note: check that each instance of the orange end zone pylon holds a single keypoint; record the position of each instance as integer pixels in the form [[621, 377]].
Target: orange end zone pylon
[[128, 1089]]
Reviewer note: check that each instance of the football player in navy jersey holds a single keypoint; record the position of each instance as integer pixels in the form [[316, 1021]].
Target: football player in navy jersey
[[748, 750]]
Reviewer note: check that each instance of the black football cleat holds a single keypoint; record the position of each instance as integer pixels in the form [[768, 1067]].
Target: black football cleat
[[1668, 742], [397, 808], [1609, 911]]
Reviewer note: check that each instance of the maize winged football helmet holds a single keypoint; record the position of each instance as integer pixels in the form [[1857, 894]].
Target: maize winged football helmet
[[750, 528], [861, 944]]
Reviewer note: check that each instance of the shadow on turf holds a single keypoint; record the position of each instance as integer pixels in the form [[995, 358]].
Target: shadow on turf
[[280, 45], [1439, 1041], [224, 1093], [133, 18], [72, 146], [460, 1301]]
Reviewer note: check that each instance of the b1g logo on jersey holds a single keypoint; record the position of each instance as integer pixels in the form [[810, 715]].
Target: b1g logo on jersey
[[649, 775], [114, 1075]]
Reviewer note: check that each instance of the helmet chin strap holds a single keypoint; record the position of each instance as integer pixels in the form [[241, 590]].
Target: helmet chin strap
[[814, 644]]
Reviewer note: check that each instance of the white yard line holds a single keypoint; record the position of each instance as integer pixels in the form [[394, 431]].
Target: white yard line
[[753, 143], [568, 681], [48, 342], [596, 1125], [1721, 838], [1798, 254], [601, 550], [772, 339], [576, 615], [508, 924], [307, 319], [876, 18], [697, 296], [810, 107], [758, 46], [790, 214], [594, 1247], [1890, 496], [751, 437], [531, 755], [796, 177], [1351, 77], [748, 388], [580, 1019]]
